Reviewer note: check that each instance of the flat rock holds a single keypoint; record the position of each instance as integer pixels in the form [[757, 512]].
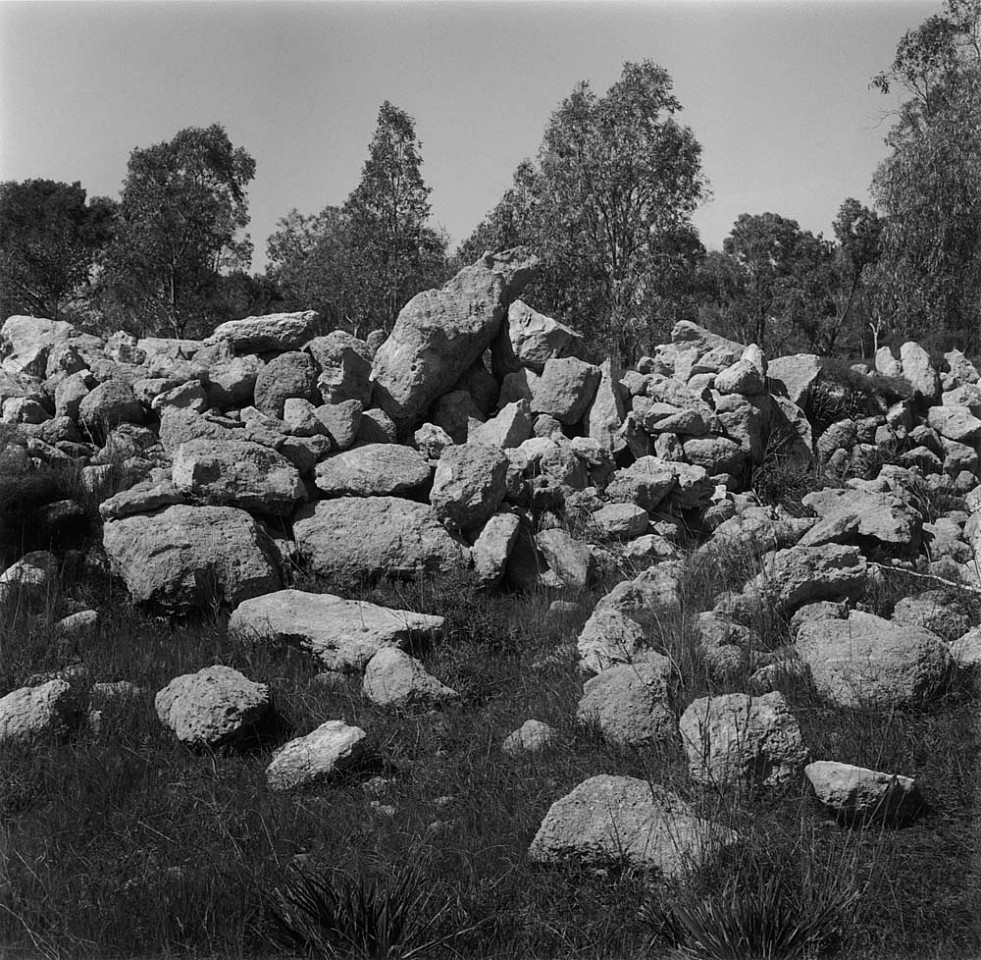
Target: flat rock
[[331, 749], [341, 634], [863, 518], [274, 331], [375, 469], [857, 794]]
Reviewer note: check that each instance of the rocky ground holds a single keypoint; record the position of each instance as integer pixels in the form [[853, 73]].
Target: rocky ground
[[687, 592]]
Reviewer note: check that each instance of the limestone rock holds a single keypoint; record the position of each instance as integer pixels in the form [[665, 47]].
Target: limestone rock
[[341, 634], [609, 821], [493, 547], [212, 708], [26, 341], [510, 428], [374, 536], [800, 575], [331, 749], [861, 517], [621, 520], [341, 421], [32, 712], [375, 469], [737, 738], [866, 660], [529, 339], [532, 736], [857, 794], [918, 369], [570, 559], [292, 374], [646, 482], [183, 558], [629, 703], [934, 611], [469, 484], [394, 679], [108, 404], [274, 331], [565, 389], [345, 364]]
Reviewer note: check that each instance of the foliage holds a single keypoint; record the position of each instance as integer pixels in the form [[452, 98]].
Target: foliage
[[608, 205], [366, 918], [50, 240], [929, 187], [182, 207]]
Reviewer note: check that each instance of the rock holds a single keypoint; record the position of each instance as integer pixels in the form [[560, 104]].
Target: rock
[[272, 332], [919, 371], [794, 376], [331, 749], [799, 575], [78, 624], [394, 679], [716, 455], [345, 364], [737, 738], [341, 421], [646, 482], [530, 339], [231, 382], [570, 559], [341, 634], [23, 410], [863, 518], [781, 675], [743, 377], [868, 661], [469, 485], [375, 469], [860, 795], [431, 441], [532, 736], [34, 712], [144, 497], [456, 412], [510, 428], [184, 558], [26, 341], [440, 334], [606, 414], [292, 374], [372, 537], [961, 369], [214, 707], [934, 611], [954, 422], [108, 404], [624, 521], [966, 650], [609, 637], [493, 547], [565, 389], [35, 574], [376, 426], [629, 703], [237, 473], [615, 821]]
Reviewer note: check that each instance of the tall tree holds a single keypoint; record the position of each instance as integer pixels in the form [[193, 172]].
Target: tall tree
[[392, 253], [50, 239], [608, 205], [181, 214], [929, 187]]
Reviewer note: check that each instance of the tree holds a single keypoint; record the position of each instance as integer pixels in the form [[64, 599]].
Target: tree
[[50, 239], [182, 208], [391, 252], [608, 205], [929, 187]]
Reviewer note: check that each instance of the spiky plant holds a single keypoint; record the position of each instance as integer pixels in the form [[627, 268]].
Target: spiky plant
[[359, 918]]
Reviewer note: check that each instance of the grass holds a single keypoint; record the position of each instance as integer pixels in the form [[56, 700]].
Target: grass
[[121, 842]]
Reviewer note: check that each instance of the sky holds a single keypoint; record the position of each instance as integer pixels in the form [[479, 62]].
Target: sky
[[776, 92]]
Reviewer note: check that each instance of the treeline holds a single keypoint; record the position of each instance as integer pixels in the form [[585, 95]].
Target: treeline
[[607, 203]]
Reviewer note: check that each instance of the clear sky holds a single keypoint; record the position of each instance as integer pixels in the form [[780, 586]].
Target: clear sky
[[777, 93]]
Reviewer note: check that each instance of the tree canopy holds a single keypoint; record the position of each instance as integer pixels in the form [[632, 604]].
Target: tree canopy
[[182, 208], [50, 239]]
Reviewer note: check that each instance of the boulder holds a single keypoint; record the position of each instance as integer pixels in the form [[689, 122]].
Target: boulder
[[373, 537], [743, 377], [394, 679], [184, 558], [214, 707], [231, 382], [565, 389], [292, 374], [739, 739], [530, 339], [333, 748], [859, 795], [868, 661], [493, 547], [629, 704], [440, 334], [29, 713], [569, 559], [341, 421], [610, 821], [646, 482], [935, 611], [510, 428], [863, 518], [109, 404], [469, 485], [799, 575], [345, 365], [272, 332], [918, 369], [624, 521], [531, 737], [237, 473], [26, 341], [375, 469], [955, 422], [606, 414], [341, 634]]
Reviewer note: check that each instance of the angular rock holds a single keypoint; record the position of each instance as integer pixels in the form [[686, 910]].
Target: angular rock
[[292, 374], [394, 679], [621, 520], [629, 704], [743, 377], [510, 428], [529, 339], [799, 575], [954, 422], [32, 712], [341, 634], [274, 331], [375, 469], [214, 707], [109, 404], [469, 485], [184, 558], [570, 559], [859, 795], [565, 389], [866, 660], [372, 537], [532, 736], [646, 482], [934, 611], [863, 518], [333, 748], [231, 382], [918, 369], [345, 365], [493, 547], [611, 821], [26, 341]]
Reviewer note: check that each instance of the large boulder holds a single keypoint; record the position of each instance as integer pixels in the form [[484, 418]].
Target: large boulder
[[469, 484], [214, 707], [529, 339], [345, 365], [372, 537], [866, 660], [237, 473], [330, 750], [184, 558], [612, 821], [739, 739], [341, 634], [375, 469], [109, 404], [273, 332], [565, 389], [440, 334], [26, 341], [863, 518]]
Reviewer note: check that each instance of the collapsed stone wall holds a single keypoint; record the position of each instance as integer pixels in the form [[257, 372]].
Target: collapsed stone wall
[[473, 434]]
